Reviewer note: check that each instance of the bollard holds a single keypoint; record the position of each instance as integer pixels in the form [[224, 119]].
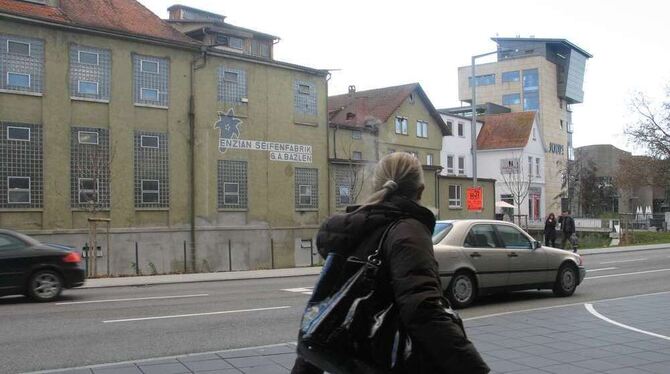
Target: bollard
[[230, 257], [184, 256], [272, 253], [137, 260]]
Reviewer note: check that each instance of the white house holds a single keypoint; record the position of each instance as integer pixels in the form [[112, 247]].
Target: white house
[[510, 150], [456, 157]]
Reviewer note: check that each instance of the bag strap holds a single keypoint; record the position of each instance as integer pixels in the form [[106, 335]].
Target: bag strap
[[375, 257]]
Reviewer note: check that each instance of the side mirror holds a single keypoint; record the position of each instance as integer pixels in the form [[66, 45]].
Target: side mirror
[[536, 244]]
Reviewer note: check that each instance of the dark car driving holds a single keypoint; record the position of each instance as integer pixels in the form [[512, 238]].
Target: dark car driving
[[38, 270]]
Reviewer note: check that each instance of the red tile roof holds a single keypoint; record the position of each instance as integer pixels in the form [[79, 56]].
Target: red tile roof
[[126, 16], [360, 108], [506, 130]]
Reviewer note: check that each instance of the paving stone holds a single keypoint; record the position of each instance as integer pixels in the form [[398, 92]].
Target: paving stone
[[276, 350], [598, 365], [217, 364], [505, 366], [286, 360], [249, 352], [121, 369], [77, 371], [247, 362], [652, 356], [535, 362], [196, 357], [177, 368], [567, 369], [630, 370], [658, 368], [270, 369], [507, 354]]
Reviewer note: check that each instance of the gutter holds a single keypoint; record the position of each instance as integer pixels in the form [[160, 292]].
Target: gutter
[[191, 144]]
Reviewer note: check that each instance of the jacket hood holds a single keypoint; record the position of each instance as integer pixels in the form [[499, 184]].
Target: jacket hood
[[344, 232]]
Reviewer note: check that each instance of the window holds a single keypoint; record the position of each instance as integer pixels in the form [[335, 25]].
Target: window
[[9, 242], [531, 96], [461, 165], [231, 193], [236, 43], [149, 94], [88, 190], [510, 76], [306, 188], [454, 196], [537, 167], [356, 134], [18, 133], [232, 85], [346, 180], [89, 160], [18, 48], [534, 134], [18, 79], [149, 141], [450, 128], [429, 159], [421, 129], [151, 80], [401, 125], [21, 64], [512, 238], [18, 190], [356, 155], [304, 94], [460, 130], [511, 99], [87, 88], [481, 236], [450, 164], [90, 71], [87, 137], [151, 162], [561, 124], [509, 166], [483, 80], [232, 184], [150, 190], [265, 50], [149, 66], [90, 58], [530, 166], [344, 195]]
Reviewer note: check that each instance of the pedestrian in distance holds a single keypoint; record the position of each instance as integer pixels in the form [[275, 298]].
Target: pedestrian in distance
[[409, 274], [568, 230], [550, 230]]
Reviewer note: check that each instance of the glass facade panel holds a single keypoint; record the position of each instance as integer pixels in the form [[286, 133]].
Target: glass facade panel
[[511, 99], [510, 76]]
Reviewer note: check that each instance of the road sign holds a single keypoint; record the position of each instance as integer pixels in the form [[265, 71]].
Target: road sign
[[474, 198]]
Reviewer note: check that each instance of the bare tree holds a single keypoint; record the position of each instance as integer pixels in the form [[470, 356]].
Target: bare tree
[[516, 179], [652, 127]]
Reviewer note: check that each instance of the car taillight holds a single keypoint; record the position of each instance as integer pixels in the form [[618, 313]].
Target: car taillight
[[72, 257]]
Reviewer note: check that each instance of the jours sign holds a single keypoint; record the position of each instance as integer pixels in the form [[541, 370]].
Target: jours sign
[[229, 138], [556, 148]]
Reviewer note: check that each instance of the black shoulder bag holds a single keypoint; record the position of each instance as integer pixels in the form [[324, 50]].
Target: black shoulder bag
[[354, 328]]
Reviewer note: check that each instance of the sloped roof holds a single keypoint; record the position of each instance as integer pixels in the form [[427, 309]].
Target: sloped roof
[[125, 16], [506, 130], [380, 104]]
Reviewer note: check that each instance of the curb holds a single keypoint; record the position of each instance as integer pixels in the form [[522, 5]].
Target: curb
[[624, 249]]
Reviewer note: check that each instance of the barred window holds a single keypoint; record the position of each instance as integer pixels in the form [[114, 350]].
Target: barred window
[[90, 70], [89, 168], [304, 95], [21, 63], [306, 188], [20, 165], [232, 85], [152, 180], [151, 80], [454, 196], [232, 184]]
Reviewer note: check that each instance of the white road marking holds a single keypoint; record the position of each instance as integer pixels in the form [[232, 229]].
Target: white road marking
[[622, 261], [195, 314], [302, 290], [132, 299], [601, 269], [563, 305], [625, 274], [593, 311]]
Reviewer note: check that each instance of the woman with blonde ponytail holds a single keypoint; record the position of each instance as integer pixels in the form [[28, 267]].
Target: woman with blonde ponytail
[[409, 273]]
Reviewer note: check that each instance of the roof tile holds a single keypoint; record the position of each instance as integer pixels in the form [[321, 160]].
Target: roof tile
[[506, 130]]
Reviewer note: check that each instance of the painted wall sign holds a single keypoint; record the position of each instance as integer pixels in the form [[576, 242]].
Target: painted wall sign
[[556, 148], [229, 138]]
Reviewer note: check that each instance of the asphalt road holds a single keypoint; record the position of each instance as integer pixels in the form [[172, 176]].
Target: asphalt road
[[92, 326]]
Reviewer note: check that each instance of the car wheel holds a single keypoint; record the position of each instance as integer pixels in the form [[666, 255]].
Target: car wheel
[[566, 281], [45, 285], [462, 290]]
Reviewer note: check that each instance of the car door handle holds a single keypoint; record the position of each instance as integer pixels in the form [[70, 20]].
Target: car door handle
[[475, 254], [513, 254]]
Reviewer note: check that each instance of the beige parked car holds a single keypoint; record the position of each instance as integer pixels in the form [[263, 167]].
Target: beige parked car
[[478, 257]]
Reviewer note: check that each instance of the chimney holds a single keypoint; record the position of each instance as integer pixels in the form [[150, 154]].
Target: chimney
[[352, 89]]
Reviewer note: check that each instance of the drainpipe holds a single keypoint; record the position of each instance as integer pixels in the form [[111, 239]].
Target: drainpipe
[[191, 144], [327, 148], [437, 191]]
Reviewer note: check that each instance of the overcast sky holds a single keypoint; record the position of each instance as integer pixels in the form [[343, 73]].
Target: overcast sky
[[371, 44]]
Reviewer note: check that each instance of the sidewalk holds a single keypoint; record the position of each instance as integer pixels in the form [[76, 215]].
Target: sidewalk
[[283, 273], [618, 336]]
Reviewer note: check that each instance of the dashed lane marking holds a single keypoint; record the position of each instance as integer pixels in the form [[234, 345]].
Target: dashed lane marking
[[302, 290], [195, 314], [132, 299], [601, 269]]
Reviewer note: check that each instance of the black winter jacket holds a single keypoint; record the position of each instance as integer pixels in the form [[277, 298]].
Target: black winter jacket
[[438, 343]]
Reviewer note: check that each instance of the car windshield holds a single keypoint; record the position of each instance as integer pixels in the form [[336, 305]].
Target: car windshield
[[441, 230]]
